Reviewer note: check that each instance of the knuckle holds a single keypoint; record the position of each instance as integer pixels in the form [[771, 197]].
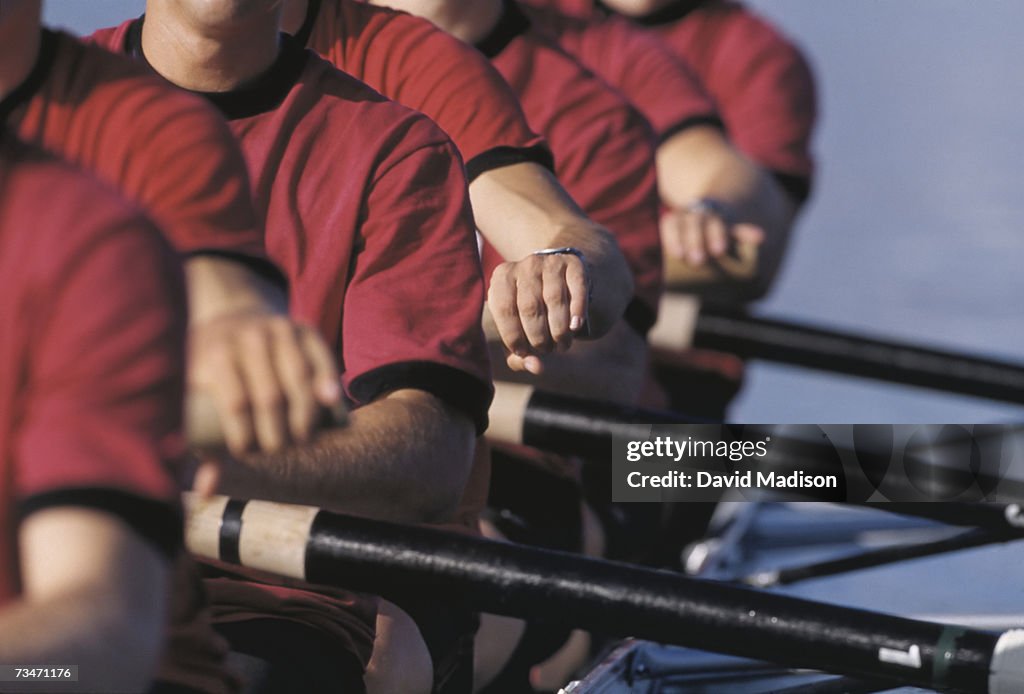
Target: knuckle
[[532, 309]]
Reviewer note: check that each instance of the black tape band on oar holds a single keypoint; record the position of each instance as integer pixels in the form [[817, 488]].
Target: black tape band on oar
[[502, 578], [847, 353]]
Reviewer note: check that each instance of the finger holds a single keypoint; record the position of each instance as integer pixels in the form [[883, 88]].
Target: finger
[[556, 301], [750, 234], [671, 234], [207, 478], [531, 364], [294, 372], [577, 282], [716, 238], [230, 396], [533, 311], [269, 405], [692, 237], [501, 298], [325, 377]]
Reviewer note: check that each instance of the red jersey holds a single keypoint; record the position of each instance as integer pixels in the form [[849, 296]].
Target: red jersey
[[366, 209], [91, 356], [603, 148], [638, 64], [410, 60], [160, 148], [760, 81]]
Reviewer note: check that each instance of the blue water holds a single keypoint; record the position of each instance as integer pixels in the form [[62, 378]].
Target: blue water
[[915, 230]]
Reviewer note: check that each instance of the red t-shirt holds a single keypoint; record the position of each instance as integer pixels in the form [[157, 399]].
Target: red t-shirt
[[634, 61], [604, 150], [160, 148], [366, 209], [760, 81], [91, 355], [410, 60]]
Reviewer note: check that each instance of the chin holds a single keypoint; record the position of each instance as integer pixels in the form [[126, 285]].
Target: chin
[[637, 8]]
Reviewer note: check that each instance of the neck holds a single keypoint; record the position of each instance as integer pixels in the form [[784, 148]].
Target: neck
[[467, 20], [19, 45], [293, 14], [209, 56]]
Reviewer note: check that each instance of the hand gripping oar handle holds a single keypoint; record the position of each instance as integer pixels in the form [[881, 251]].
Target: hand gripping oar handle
[[502, 578], [203, 428], [848, 353]]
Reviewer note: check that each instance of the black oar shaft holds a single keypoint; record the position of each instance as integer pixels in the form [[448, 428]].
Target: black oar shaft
[[394, 561], [568, 425], [835, 351], [877, 557]]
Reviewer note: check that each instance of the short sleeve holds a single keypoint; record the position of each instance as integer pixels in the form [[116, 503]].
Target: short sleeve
[[635, 62], [413, 62], [762, 84], [103, 396], [412, 308]]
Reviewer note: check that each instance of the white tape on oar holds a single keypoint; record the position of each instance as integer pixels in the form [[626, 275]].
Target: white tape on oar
[[202, 524], [267, 536], [274, 537], [1007, 670], [677, 322], [508, 412]]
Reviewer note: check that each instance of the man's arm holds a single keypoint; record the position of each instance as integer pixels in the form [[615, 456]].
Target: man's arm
[[93, 595], [748, 210], [268, 376], [404, 457], [521, 209]]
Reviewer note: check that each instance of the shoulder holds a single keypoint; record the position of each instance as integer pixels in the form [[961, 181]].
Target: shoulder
[[53, 213]]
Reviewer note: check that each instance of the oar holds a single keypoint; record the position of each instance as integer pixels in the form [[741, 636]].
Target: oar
[[499, 578], [835, 351], [568, 425]]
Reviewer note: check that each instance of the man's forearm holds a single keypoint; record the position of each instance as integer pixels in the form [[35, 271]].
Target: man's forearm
[[701, 164], [404, 458], [522, 208]]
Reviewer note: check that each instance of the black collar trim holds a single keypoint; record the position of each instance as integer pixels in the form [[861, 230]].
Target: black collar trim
[[261, 95], [304, 33], [666, 15], [48, 42], [511, 24]]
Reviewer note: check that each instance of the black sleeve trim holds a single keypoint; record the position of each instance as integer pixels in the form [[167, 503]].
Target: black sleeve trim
[[798, 187], [708, 119], [640, 316], [455, 387], [512, 23], [304, 33], [498, 157], [261, 266], [48, 44], [158, 523]]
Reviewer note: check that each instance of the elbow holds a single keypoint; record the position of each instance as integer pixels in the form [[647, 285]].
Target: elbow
[[435, 493]]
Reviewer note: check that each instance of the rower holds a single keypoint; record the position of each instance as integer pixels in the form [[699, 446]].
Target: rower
[[518, 205], [366, 209], [173, 157], [90, 424]]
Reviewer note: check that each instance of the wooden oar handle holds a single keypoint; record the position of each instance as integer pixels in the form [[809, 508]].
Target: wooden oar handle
[[739, 265]]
